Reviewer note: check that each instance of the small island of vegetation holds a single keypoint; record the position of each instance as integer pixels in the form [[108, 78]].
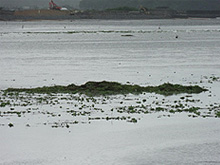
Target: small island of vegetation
[[112, 88]]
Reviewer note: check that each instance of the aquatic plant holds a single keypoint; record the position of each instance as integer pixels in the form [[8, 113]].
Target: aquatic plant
[[218, 114], [111, 88], [11, 125], [3, 104], [133, 120], [127, 35]]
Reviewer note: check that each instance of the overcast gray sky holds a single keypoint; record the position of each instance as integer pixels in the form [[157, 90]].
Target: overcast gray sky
[[36, 3]]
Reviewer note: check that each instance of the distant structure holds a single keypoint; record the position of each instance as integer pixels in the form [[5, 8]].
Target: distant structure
[[54, 6]]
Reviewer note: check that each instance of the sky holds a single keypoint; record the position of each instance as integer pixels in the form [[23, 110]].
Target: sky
[[37, 3]]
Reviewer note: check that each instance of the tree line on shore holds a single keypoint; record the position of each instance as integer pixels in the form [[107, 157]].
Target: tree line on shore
[[181, 5]]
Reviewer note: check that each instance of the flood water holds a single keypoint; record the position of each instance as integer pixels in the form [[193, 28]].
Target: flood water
[[143, 52], [138, 51]]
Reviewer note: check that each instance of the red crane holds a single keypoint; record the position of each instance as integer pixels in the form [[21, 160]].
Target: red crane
[[53, 6]]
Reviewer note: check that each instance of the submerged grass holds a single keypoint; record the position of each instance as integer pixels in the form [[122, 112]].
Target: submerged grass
[[111, 88]]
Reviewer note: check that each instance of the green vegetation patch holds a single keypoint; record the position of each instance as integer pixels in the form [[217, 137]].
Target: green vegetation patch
[[218, 114], [111, 88]]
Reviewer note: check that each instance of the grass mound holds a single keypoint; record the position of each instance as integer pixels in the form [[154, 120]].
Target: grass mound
[[112, 88]]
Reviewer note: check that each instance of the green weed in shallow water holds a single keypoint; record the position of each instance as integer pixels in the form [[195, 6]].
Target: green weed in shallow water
[[217, 114], [111, 88]]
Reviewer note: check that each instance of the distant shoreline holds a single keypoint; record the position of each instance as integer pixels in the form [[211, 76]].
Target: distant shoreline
[[32, 15]]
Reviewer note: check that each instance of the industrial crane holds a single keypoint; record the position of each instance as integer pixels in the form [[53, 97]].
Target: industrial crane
[[53, 6]]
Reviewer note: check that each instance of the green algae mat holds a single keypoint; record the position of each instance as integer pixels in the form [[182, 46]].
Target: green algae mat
[[112, 88]]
